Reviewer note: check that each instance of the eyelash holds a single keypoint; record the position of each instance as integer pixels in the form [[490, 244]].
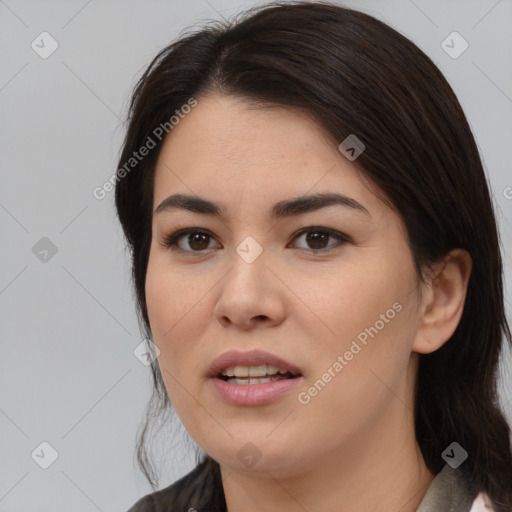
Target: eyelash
[[171, 240]]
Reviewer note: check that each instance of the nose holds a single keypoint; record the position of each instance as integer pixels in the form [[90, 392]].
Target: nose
[[250, 295]]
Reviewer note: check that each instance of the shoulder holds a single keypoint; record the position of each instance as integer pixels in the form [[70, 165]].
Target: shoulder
[[482, 503], [193, 491], [145, 504]]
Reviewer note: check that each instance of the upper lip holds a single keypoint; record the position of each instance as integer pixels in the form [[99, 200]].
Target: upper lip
[[250, 358]]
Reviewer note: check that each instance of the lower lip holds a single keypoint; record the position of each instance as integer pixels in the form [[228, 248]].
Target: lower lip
[[254, 394]]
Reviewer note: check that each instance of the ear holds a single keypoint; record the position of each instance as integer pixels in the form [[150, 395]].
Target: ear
[[442, 301]]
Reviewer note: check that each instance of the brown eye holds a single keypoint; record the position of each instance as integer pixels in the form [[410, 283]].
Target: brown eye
[[317, 238], [193, 240], [189, 240], [197, 241]]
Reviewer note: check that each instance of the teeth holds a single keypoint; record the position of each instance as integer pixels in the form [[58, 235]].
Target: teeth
[[241, 371], [257, 371], [248, 382], [252, 371]]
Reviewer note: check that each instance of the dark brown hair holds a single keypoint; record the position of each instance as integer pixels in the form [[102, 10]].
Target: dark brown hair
[[355, 75]]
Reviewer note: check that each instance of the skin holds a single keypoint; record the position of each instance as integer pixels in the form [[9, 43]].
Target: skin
[[352, 447]]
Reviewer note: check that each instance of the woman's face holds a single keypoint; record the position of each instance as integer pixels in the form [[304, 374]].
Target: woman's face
[[342, 312]]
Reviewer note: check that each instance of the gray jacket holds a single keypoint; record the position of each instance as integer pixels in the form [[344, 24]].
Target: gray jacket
[[448, 492]]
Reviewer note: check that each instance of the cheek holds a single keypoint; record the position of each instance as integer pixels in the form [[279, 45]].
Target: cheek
[[354, 382], [370, 314], [378, 318], [167, 311], [349, 300], [172, 304], [170, 297]]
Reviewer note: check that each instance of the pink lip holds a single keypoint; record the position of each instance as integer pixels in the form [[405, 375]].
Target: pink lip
[[250, 358], [252, 394]]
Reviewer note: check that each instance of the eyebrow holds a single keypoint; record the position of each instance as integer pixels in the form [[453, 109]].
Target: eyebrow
[[285, 208]]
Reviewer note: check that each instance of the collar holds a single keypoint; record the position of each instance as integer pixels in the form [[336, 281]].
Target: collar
[[448, 492]]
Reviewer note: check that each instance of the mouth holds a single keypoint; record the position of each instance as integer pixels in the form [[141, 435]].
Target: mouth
[[250, 375], [252, 367], [253, 379]]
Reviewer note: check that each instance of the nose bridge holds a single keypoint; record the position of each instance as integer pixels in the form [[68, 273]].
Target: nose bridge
[[249, 250], [247, 292], [248, 264]]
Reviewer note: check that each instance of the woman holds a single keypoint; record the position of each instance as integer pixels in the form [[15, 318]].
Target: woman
[[316, 259]]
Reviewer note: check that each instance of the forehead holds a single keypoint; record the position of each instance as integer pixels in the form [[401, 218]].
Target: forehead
[[229, 148]]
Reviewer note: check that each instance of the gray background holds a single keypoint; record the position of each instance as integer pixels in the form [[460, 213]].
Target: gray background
[[68, 375]]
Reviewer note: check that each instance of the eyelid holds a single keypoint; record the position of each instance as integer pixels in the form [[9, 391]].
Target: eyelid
[[334, 233], [169, 241]]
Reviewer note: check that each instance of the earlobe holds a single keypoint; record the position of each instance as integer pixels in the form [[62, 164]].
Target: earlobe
[[443, 302]]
